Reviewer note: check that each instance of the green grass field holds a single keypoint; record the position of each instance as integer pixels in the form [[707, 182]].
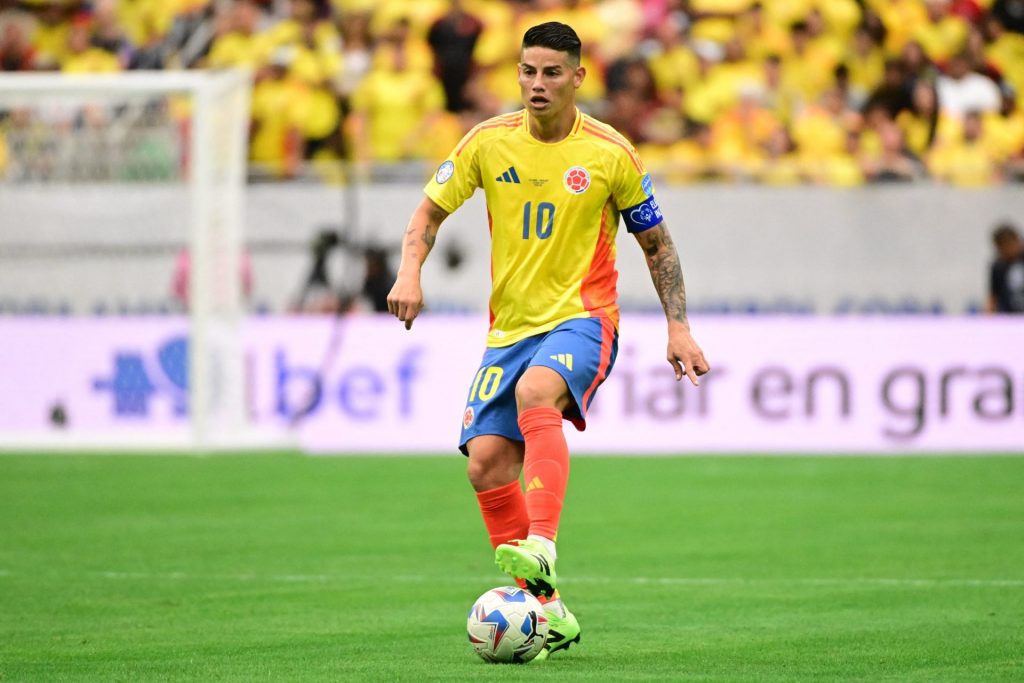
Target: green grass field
[[283, 567]]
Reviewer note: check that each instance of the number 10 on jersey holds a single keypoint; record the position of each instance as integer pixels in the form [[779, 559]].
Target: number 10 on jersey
[[543, 221]]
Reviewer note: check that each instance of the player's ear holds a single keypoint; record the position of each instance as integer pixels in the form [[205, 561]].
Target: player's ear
[[578, 76]]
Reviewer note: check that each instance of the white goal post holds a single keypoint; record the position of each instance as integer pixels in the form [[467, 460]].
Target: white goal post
[[119, 124]]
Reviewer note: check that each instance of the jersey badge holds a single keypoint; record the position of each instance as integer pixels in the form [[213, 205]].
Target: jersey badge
[[468, 417], [648, 185], [444, 172], [576, 180]]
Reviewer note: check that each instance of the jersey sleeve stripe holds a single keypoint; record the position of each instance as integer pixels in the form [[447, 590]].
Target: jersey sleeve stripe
[[600, 134], [493, 123]]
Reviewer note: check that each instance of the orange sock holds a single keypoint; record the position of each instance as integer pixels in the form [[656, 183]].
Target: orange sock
[[546, 468], [504, 511]]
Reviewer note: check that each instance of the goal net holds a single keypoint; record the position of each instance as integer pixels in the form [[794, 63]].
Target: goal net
[[121, 213]]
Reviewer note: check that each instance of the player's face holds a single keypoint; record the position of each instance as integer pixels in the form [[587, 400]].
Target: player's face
[[548, 81]]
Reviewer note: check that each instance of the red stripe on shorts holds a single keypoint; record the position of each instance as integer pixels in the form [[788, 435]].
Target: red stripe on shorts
[[607, 338]]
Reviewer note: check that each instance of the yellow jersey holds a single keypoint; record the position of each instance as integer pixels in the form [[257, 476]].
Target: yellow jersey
[[553, 213]]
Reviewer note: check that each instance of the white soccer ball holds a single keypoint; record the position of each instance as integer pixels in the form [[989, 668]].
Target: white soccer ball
[[507, 625]]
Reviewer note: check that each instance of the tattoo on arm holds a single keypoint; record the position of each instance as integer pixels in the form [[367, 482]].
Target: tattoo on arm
[[424, 232], [666, 272], [426, 236]]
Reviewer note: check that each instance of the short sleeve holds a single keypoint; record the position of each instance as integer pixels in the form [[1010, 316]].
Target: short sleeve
[[633, 192], [458, 176]]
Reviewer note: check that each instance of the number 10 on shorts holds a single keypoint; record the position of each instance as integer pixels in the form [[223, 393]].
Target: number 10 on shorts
[[486, 382]]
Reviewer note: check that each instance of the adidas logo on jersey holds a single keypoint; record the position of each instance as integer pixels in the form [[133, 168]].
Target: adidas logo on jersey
[[563, 358], [509, 176]]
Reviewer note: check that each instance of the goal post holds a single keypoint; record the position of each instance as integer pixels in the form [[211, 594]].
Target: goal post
[[149, 165]]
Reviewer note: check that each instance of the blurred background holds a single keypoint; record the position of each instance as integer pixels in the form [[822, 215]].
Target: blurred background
[[201, 208], [815, 159]]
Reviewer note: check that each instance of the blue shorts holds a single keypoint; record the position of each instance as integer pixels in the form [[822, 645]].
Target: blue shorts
[[581, 350]]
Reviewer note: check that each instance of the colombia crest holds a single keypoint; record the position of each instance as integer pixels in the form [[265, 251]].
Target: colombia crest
[[576, 180]]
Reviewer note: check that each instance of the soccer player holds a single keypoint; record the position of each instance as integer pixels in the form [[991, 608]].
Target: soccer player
[[556, 182]]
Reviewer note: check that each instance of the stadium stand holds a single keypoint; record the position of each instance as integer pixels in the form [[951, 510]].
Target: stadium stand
[[836, 92]]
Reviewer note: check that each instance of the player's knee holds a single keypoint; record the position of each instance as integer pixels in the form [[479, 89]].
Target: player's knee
[[533, 394], [478, 474], [491, 468]]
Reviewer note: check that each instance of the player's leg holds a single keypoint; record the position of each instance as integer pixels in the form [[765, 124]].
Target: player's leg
[[580, 353], [493, 443], [541, 397], [493, 470], [568, 365], [498, 461]]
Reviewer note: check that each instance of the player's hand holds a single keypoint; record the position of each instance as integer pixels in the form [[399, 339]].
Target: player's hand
[[405, 300], [684, 355]]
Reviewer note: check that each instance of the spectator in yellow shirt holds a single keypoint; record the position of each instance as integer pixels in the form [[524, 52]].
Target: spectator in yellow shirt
[[966, 162], [893, 162], [901, 19], [239, 42], [393, 108], [781, 165], [1005, 50], [690, 159], [276, 138], [808, 70], [673, 64], [1004, 130], [920, 123], [50, 37], [820, 130], [741, 134], [762, 37], [865, 63], [82, 57], [315, 39], [840, 169], [942, 34]]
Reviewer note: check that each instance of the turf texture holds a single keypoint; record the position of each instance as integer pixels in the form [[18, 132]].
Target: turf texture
[[289, 568]]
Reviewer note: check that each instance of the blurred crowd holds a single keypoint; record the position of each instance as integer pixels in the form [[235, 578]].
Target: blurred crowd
[[831, 92]]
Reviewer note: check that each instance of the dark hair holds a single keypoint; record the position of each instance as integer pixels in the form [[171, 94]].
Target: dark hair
[[556, 36], [1004, 232]]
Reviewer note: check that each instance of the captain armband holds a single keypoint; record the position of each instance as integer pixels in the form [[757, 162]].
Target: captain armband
[[643, 216]]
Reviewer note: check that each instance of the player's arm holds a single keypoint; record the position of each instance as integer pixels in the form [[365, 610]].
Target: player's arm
[[667, 274], [406, 297]]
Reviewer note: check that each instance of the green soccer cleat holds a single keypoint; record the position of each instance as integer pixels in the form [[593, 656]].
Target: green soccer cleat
[[530, 561], [562, 632]]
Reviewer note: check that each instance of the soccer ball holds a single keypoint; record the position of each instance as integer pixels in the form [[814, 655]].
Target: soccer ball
[[507, 625]]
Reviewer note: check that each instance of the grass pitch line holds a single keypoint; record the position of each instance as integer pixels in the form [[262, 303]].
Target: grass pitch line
[[583, 580]]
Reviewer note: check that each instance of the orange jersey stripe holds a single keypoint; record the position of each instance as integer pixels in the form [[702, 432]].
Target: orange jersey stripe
[[588, 128], [490, 308], [597, 290], [608, 130], [498, 122]]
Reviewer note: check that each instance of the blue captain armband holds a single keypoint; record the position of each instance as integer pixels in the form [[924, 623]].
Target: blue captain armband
[[643, 216]]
